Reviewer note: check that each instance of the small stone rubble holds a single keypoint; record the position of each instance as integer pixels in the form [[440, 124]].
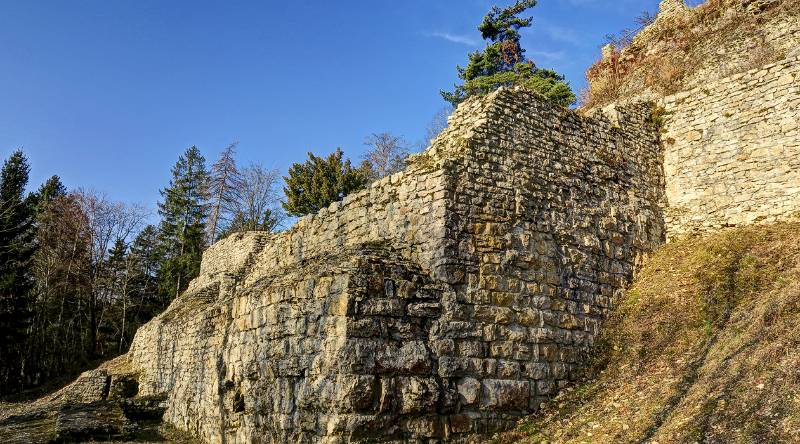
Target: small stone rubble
[[98, 406]]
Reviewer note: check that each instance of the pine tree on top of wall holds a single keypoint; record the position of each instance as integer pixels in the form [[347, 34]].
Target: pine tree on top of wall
[[315, 184], [503, 63]]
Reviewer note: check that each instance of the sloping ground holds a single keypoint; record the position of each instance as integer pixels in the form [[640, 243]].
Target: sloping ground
[[98, 406], [704, 348]]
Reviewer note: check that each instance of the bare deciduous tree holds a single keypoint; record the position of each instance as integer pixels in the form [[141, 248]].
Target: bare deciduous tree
[[387, 154], [437, 124], [59, 340], [256, 206], [107, 221], [223, 183]]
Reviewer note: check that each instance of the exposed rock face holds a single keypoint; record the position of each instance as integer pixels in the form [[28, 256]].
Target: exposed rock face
[[101, 405], [444, 301]]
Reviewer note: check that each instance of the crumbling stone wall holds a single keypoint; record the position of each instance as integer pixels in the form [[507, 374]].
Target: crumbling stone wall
[[548, 216], [444, 301], [732, 150], [687, 47]]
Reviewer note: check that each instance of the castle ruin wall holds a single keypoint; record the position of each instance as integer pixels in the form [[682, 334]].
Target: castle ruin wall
[[732, 150], [445, 301]]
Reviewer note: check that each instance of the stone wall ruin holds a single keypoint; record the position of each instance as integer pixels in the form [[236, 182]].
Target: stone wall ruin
[[444, 301], [732, 150]]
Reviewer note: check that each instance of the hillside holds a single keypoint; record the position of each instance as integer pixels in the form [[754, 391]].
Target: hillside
[[703, 348], [685, 48]]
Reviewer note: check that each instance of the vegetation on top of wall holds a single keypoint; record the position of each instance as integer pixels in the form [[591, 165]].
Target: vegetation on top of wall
[[663, 57], [659, 118], [704, 348], [320, 181], [503, 63]]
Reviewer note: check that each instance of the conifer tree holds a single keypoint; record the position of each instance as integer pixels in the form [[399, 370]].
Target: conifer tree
[[318, 182], [121, 270], [16, 249], [146, 256], [267, 221], [503, 61], [50, 190], [184, 212]]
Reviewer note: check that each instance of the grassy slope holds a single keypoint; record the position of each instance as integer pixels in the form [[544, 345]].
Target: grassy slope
[[704, 348]]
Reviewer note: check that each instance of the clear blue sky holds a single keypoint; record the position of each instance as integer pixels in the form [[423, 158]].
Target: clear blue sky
[[107, 93]]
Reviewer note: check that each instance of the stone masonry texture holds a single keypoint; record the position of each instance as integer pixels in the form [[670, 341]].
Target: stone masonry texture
[[449, 300], [732, 150], [442, 302], [685, 48]]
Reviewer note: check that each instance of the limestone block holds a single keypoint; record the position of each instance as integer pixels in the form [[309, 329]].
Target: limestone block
[[504, 395]]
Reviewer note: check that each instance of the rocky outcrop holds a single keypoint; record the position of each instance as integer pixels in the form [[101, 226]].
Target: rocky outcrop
[[101, 405]]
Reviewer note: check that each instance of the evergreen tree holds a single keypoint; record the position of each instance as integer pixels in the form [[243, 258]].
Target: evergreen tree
[[318, 182], [503, 61], [184, 212], [146, 256], [240, 222], [16, 249], [124, 271], [50, 190]]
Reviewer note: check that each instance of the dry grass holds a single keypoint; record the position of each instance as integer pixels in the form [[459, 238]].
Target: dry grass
[[704, 348], [664, 58]]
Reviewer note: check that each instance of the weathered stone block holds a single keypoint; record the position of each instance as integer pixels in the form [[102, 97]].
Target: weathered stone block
[[418, 395], [498, 394]]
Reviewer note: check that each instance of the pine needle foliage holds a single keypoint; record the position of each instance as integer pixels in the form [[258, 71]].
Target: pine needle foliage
[[184, 213], [320, 181], [503, 63], [16, 250]]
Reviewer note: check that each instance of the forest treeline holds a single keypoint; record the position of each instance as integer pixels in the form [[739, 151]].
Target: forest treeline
[[80, 272]]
